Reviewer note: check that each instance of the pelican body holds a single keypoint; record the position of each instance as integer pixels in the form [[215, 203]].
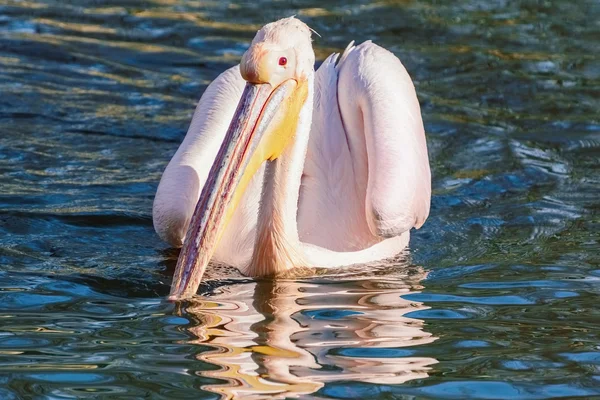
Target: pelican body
[[284, 167]]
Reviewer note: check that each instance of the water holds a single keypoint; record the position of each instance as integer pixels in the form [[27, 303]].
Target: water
[[497, 298]]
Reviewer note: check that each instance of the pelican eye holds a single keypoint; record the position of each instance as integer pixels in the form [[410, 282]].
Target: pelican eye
[[282, 61]]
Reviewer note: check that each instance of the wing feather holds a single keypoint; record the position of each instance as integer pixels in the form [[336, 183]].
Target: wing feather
[[380, 110]]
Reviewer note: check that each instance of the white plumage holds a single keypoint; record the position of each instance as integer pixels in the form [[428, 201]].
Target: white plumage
[[355, 179]]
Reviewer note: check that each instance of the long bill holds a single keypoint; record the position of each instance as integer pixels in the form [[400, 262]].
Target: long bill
[[235, 163]]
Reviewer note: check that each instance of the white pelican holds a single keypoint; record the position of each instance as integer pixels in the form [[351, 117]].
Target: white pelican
[[286, 167]]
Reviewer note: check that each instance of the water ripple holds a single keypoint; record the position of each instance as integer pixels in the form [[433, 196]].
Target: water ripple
[[96, 97]]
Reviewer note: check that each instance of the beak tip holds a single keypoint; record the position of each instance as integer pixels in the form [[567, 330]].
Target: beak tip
[[179, 294], [176, 296]]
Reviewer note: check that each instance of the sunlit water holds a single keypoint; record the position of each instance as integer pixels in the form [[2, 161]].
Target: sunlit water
[[497, 298]]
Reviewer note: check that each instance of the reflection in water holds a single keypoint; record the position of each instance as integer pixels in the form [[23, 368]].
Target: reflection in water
[[285, 338]]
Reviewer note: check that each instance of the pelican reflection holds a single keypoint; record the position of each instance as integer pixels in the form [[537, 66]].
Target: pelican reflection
[[285, 338]]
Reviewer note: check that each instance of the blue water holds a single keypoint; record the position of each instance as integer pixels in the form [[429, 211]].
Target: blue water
[[496, 299]]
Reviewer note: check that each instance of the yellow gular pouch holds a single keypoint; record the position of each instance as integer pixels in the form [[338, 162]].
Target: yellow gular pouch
[[283, 127], [277, 137]]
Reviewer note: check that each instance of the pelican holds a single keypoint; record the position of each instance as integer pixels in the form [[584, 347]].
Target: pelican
[[284, 167]]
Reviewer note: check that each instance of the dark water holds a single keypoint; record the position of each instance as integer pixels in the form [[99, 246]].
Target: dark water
[[498, 298]]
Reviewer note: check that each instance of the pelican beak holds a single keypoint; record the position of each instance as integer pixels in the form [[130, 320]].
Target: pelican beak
[[250, 140]]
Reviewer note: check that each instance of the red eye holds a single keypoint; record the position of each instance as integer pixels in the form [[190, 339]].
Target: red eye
[[282, 61]]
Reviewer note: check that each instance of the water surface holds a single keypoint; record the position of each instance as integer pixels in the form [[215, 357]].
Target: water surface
[[496, 299]]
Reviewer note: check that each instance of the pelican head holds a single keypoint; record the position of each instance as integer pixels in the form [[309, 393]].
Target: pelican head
[[277, 68], [280, 51]]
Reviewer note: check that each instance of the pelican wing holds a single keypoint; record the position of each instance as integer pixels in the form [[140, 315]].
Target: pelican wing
[[377, 100], [367, 169]]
